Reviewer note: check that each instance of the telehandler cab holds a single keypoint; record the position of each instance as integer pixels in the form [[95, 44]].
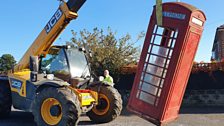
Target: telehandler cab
[[55, 82]]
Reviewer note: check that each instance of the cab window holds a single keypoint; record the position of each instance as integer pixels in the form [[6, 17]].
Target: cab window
[[56, 63]]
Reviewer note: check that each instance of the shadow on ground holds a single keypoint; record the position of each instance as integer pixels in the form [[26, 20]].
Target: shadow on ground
[[17, 118], [20, 118], [188, 110], [126, 112], [202, 110], [88, 122]]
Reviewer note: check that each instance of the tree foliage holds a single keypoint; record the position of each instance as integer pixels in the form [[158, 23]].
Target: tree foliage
[[6, 62], [109, 52]]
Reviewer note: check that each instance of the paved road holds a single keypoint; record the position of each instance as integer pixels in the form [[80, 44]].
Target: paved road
[[188, 117]]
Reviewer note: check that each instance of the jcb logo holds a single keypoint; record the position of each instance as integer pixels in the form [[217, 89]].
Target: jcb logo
[[53, 21], [16, 84]]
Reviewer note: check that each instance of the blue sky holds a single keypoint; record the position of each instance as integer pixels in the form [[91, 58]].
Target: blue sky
[[21, 21]]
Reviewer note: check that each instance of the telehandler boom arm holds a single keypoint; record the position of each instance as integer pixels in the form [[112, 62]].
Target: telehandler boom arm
[[65, 13]]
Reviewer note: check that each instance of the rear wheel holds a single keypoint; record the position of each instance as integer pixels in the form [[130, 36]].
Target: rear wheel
[[5, 99], [109, 105], [56, 106]]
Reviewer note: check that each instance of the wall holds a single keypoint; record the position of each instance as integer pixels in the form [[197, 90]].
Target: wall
[[204, 98], [203, 89]]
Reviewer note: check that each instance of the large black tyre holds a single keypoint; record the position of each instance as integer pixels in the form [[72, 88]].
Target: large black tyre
[[64, 107], [109, 107], [5, 99]]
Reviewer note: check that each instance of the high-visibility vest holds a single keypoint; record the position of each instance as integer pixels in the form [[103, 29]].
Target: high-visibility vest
[[108, 79]]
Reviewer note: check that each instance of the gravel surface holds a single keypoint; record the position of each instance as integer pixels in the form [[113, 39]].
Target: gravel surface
[[188, 117]]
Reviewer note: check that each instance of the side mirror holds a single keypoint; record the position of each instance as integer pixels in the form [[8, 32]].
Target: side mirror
[[34, 67]]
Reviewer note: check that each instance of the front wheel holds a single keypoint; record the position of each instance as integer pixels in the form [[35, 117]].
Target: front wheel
[[5, 99], [109, 105], [56, 106]]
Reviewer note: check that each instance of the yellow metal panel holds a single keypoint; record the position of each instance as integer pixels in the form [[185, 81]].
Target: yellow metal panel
[[95, 96], [22, 91], [68, 13], [86, 98], [25, 74]]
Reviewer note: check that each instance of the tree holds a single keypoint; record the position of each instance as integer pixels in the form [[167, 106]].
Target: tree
[[6, 62], [109, 52]]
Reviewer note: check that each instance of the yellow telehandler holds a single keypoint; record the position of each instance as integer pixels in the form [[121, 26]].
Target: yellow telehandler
[[55, 82]]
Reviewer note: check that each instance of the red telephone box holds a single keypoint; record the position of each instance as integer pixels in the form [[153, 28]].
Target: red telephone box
[[166, 62]]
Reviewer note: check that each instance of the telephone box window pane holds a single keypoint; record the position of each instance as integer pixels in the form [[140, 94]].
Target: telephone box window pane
[[171, 52], [152, 79], [144, 66], [170, 42], [149, 88], [154, 70], [173, 43], [155, 28], [142, 76], [161, 51], [176, 34], [159, 93], [172, 33], [167, 64], [147, 98], [159, 61], [161, 85], [164, 74], [152, 39], [160, 30], [140, 85], [149, 50], [158, 40], [147, 57]]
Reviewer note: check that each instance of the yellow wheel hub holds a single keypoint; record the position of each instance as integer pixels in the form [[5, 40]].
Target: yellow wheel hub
[[103, 105], [51, 111]]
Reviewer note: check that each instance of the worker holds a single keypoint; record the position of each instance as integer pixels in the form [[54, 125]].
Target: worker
[[108, 79]]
